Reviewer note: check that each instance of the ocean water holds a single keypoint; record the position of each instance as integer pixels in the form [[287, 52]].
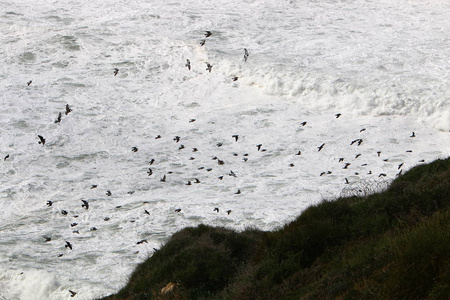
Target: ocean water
[[382, 65]]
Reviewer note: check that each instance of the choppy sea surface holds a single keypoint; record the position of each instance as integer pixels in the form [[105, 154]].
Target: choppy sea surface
[[365, 82]]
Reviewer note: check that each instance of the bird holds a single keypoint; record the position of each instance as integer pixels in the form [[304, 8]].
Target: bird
[[150, 172], [181, 147], [157, 137], [151, 161], [47, 239], [341, 159], [116, 71], [208, 67], [49, 203], [178, 210], [93, 186], [238, 192], [141, 242], [381, 174], [303, 123], [189, 183], [220, 144], [188, 64], [236, 137], [72, 293], [176, 138], [106, 219], [321, 146], [235, 78], [259, 146], [146, 212], [413, 134], [291, 165], [68, 109], [229, 211], [357, 155], [378, 153], [338, 115], [208, 33], [245, 55], [6, 157], [400, 165], [29, 82], [346, 165], [192, 120], [362, 130], [41, 140], [59, 118], [163, 179], [64, 212], [220, 162], [68, 245], [108, 193], [73, 224], [194, 149], [299, 153], [85, 204], [202, 42], [232, 174], [346, 181], [196, 180], [134, 149], [216, 209]]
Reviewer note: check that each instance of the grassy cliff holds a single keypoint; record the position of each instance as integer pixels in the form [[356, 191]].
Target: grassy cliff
[[390, 245]]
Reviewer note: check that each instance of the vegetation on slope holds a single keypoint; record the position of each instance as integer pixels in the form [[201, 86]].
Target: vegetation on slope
[[390, 245]]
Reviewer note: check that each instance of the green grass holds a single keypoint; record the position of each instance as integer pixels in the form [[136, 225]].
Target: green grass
[[390, 245]]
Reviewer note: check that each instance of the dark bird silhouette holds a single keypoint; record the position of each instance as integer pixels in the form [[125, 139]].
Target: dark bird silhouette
[[194, 149], [142, 241], [338, 115], [106, 219], [346, 165], [362, 130], [85, 204], [108, 193], [303, 123], [116, 71], [400, 165], [216, 209], [58, 120], [41, 140], [73, 224], [196, 180], [178, 210], [176, 139], [163, 179], [259, 146], [357, 155], [238, 192], [232, 174], [235, 78], [299, 153], [346, 181], [68, 245], [47, 239], [202, 42], [134, 149], [192, 120], [220, 162], [130, 192], [341, 159], [381, 174], [151, 161], [150, 172], [6, 157], [291, 165], [229, 211], [188, 64], [220, 177], [29, 82], [49, 203], [189, 183], [220, 144], [413, 134], [323, 173], [246, 54], [146, 212], [321, 146], [208, 67], [93, 186], [208, 33], [378, 153], [157, 137], [236, 137], [68, 109], [64, 212], [72, 293], [181, 147]]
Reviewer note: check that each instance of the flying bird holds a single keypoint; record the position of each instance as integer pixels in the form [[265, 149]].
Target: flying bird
[[108, 193], [321, 146], [6, 157], [208, 67], [216, 209], [150, 172], [134, 149], [68, 109], [85, 204], [245, 54], [41, 140], [236, 137], [202, 42], [68, 245], [338, 115], [72, 293], [49, 203], [116, 71], [208, 33], [29, 82], [188, 64], [59, 118]]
